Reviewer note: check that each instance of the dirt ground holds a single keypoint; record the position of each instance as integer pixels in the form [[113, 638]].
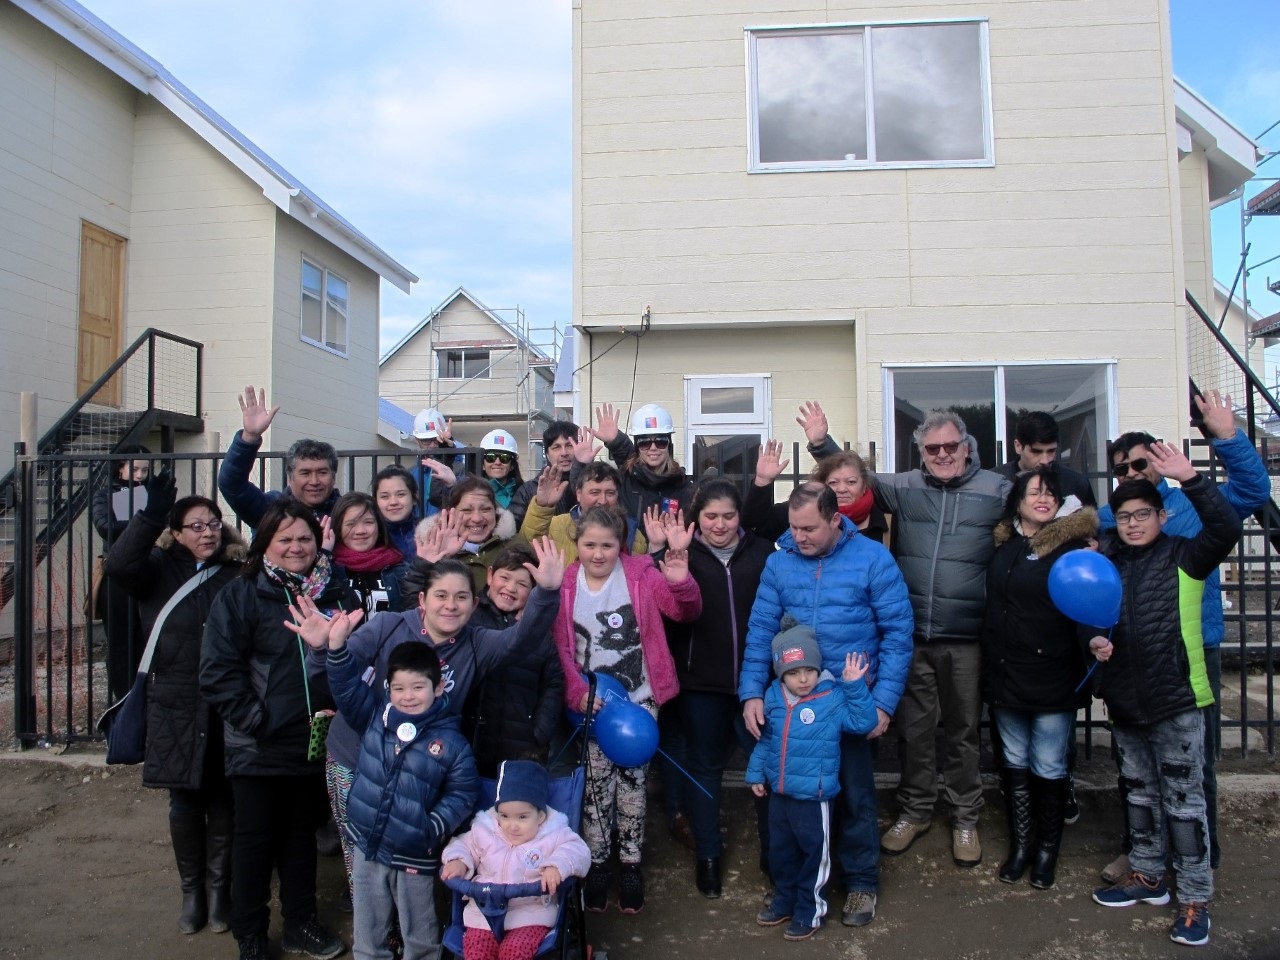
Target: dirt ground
[[86, 871]]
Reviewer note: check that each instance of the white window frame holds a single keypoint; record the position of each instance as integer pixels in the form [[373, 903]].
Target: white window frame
[[325, 306], [484, 374], [759, 422], [997, 368], [755, 165]]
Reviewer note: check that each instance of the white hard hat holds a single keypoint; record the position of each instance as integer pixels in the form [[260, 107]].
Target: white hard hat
[[651, 420], [500, 440], [428, 424]]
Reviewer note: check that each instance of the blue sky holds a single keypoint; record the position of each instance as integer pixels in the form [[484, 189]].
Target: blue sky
[[441, 128]]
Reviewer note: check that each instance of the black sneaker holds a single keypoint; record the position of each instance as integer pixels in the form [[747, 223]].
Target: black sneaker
[[254, 948], [631, 889], [595, 888], [1071, 810], [314, 939]]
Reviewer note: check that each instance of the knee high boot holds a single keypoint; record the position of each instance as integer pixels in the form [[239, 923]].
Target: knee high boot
[[188, 834], [1049, 798], [1017, 808], [218, 865]]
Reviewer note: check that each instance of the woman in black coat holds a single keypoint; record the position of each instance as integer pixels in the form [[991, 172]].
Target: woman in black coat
[[184, 736], [1032, 663]]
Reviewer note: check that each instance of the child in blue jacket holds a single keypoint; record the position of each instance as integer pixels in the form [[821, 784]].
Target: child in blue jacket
[[806, 710]]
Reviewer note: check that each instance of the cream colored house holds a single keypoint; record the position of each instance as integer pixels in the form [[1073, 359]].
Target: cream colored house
[[483, 370], [992, 206], [129, 203]]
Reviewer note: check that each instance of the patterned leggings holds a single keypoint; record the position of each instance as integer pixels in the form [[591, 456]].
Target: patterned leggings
[[520, 943], [613, 791], [338, 780]]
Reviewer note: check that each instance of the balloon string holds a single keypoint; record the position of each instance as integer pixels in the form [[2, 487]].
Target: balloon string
[[686, 773], [1096, 664]]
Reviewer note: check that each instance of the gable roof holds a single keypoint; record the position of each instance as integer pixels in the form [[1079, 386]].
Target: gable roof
[[82, 29], [537, 353]]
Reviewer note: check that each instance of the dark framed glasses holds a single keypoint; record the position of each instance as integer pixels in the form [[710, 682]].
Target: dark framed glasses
[[660, 442], [933, 449], [494, 456], [199, 527], [1136, 465], [1141, 515]]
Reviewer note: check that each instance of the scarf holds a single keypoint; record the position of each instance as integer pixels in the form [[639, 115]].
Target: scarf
[[860, 509], [372, 560], [312, 585]]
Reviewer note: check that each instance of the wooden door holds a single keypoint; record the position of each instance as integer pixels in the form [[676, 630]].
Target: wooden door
[[101, 332]]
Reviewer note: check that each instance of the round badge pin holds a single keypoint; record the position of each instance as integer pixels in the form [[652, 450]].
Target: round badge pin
[[406, 731], [615, 620]]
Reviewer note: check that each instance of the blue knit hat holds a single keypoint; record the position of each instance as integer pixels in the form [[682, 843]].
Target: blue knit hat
[[522, 780], [796, 647]]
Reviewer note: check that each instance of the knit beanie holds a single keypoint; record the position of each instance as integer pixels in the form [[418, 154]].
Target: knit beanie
[[522, 780], [796, 647]]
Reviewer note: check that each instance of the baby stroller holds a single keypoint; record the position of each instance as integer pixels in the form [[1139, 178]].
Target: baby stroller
[[568, 938]]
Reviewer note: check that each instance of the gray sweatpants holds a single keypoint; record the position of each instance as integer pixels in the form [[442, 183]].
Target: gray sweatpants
[[377, 890]]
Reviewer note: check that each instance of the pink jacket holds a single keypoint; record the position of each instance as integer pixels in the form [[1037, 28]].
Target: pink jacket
[[555, 845], [652, 598]]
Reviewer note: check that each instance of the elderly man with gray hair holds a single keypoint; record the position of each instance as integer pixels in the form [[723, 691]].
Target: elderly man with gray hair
[[944, 513]]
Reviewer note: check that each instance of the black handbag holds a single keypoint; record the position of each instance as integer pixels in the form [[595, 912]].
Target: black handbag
[[125, 722]]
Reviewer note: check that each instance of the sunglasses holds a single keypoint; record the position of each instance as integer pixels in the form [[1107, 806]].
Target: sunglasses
[[660, 442], [933, 449], [495, 457], [1136, 465]]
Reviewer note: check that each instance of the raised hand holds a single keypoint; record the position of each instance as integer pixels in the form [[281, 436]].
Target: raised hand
[[1219, 418], [318, 631], [442, 473], [550, 487], [444, 539], [1169, 461], [327, 536], [162, 493], [607, 422], [769, 463], [678, 535], [586, 449], [255, 415], [675, 567], [855, 666], [445, 434], [549, 573], [655, 531], [813, 421]]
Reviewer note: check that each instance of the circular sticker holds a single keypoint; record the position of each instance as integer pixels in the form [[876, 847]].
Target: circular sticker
[[615, 620], [807, 715], [406, 731]]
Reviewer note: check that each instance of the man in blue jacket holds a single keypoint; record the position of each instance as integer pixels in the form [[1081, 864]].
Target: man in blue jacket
[[849, 590], [1247, 490]]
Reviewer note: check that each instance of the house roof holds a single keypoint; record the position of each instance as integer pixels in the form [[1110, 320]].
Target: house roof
[[84, 30], [397, 416], [1232, 154], [538, 355], [1267, 202]]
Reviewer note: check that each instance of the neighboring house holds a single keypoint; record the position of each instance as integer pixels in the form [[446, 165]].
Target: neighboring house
[[129, 203], [483, 371], [886, 208]]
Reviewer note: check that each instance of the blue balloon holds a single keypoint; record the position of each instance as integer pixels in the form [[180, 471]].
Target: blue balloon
[[1086, 587], [627, 733], [608, 689]]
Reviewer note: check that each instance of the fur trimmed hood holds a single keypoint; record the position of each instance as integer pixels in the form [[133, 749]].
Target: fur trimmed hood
[[234, 548], [1080, 525]]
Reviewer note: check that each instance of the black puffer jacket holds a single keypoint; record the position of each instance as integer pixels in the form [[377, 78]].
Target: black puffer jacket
[[1032, 658], [708, 651], [1156, 669], [251, 671], [181, 726]]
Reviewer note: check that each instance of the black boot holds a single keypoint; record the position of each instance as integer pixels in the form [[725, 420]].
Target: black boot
[[1049, 797], [188, 834], [1017, 808], [218, 866], [709, 878]]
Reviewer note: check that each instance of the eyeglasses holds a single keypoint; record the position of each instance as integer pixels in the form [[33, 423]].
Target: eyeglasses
[[1136, 465], [1140, 516], [660, 442], [201, 527], [496, 457], [933, 449]]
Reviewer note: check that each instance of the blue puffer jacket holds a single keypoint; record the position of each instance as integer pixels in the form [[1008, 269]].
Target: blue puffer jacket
[[855, 600], [408, 797], [1247, 490], [799, 751]]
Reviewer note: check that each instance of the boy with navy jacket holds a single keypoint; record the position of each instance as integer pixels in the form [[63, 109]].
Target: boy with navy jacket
[[798, 755], [416, 783]]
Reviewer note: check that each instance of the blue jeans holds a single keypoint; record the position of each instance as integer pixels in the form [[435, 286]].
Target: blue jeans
[[858, 846], [712, 723], [1035, 741], [1163, 768], [380, 893]]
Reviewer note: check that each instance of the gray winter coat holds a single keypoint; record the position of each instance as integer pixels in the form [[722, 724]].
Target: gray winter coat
[[942, 539]]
